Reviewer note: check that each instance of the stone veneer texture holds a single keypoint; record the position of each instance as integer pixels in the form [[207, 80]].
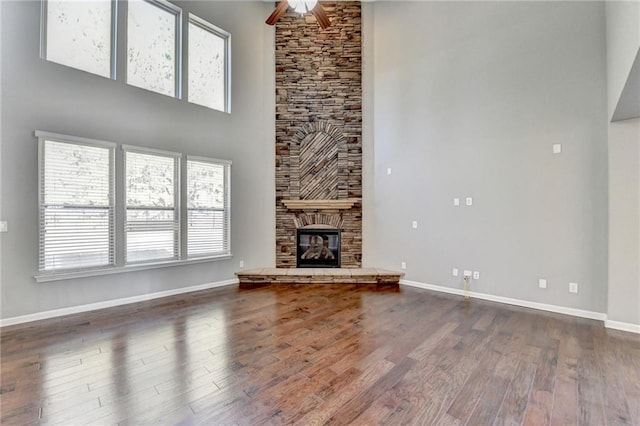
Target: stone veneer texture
[[319, 126]]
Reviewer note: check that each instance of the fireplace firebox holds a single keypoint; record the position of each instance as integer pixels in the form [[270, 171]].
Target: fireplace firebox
[[318, 248]]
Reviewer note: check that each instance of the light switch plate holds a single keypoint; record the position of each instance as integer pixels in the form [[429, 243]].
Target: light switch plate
[[388, 170], [455, 272], [4, 226], [403, 265], [414, 224], [542, 283], [557, 148]]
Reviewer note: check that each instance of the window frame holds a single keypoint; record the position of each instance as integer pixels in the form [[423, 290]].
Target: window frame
[[226, 36], [118, 212], [226, 239], [177, 186], [113, 56], [43, 137], [178, 53]]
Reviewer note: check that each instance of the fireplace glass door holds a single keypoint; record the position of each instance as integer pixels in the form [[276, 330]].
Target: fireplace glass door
[[318, 248]]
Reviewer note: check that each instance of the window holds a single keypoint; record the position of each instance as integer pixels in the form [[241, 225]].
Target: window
[[80, 34], [104, 213], [209, 65], [76, 203], [154, 46], [207, 207], [152, 219]]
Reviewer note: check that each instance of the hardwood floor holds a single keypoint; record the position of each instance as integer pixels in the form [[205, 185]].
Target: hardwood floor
[[319, 354]]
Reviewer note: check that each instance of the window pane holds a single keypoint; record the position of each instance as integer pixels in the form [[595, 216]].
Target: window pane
[[150, 180], [206, 68], [76, 213], [208, 210], [79, 34], [75, 238], [151, 38], [151, 223], [205, 185], [206, 232], [150, 235], [76, 174]]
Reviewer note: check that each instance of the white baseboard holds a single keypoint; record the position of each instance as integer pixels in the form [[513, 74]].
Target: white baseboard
[[509, 301], [111, 303], [623, 326]]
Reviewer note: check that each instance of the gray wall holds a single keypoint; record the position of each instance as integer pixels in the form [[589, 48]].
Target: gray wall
[[468, 98], [623, 44], [37, 94]]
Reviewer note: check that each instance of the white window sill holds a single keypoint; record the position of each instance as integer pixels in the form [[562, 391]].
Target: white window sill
[[58, 276]]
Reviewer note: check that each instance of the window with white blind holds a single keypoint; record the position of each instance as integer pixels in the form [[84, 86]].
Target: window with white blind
[[76, 203], [207, 207], [152, 218], [166, 208], [80, 34]]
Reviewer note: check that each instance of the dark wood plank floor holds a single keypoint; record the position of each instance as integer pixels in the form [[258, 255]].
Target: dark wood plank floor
[[319, 354]]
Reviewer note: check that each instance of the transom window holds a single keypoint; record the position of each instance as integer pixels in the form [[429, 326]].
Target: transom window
[[80, 34], [153, 46], [209, 48]]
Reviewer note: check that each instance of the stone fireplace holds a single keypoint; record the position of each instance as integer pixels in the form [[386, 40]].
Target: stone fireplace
[[319, 134]]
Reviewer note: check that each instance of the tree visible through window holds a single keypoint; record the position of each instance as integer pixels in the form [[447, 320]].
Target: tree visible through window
[[83, 213], [152, 217], [79, 34], [208, 64], [208, 207], [76, 205], [152, 45]]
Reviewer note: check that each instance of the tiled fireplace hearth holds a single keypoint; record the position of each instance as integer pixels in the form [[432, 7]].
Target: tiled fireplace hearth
[[319, 134]]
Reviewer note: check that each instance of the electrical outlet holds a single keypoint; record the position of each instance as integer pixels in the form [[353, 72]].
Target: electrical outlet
[[4, 226], [476, 275], [455, 272], [242, 263], [456, 202], [542, 283], [403, 265], [469, 201], [573, 287], [414, 224], [467, 274]]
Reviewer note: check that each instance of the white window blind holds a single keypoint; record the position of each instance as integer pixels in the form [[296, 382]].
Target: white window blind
[[152, 219], [76, 204], [208, 207]]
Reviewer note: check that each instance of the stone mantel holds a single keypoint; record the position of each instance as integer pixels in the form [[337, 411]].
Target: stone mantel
[[321, 204]]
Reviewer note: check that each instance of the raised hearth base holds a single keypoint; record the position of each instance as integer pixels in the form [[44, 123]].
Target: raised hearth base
[[263, 276]]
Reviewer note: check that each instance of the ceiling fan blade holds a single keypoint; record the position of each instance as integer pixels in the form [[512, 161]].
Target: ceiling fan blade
[[321, 16], [277, 13]]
